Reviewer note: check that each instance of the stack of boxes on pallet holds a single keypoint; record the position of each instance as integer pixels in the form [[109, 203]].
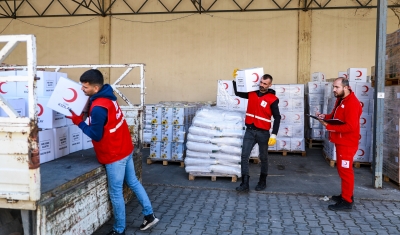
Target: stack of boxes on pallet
[[169, 123], [391, 135], [291, 106], [57, 135], [315, 100], [364, 92]]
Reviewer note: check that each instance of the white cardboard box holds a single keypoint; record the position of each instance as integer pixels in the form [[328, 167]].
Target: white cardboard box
[[18, 104], [357, 74], [238, 104], [296, 90], [68, 95], [249, 79], [225, 87], [155, 149], [45, 85], [165, 148], [315, 87], [282, 91], [46, 146], [48, 118], [362, 154], [75, 138], [297, 144], [342, 74], [61, 142], [8, 89], [318, 77], [364, 90], [283, 144], [86, 142]]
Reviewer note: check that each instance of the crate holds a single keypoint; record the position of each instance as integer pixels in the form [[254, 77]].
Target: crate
[[165, 161], [193, 175]]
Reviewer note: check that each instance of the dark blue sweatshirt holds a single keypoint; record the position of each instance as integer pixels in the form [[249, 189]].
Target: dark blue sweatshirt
[[98, 116]]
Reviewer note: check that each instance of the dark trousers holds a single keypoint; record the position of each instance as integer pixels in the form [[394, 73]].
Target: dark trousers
[[251, 137]]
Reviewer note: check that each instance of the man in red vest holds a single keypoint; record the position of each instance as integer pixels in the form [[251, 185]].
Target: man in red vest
[[113, 146], [345, 137], [262, 105]]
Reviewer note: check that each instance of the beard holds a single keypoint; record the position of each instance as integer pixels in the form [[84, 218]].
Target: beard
[[339, 94], [263, 90]]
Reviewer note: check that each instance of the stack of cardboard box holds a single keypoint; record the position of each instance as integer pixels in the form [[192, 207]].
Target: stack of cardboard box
[[57, 135]]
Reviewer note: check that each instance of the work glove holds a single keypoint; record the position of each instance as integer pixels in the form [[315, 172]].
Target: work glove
[[234, 74], [75, 118], [272, 140]]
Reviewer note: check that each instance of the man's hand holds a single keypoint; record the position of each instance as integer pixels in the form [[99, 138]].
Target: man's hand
[[272, 140], [75, 118], [320, 115]]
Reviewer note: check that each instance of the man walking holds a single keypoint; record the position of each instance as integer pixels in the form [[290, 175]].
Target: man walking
[[345, 137], [262, 105], [113, 146]]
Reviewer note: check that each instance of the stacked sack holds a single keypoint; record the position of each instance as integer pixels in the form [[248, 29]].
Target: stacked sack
[[214, 142]]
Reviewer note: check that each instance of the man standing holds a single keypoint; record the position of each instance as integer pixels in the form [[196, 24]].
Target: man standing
[[262, 105], [113, 146], [345, 137]]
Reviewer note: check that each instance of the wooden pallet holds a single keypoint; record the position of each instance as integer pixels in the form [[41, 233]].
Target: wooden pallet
[[389, 82], [388, 179], [355, 164], [314, 143], [193, 175], [255, 160], [285, 152], [164, 161], [146, 145]]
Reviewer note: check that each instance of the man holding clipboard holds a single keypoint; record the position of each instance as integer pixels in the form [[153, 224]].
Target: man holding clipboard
[[343, 124]]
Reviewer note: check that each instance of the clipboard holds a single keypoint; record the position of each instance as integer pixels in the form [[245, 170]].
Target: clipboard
[[329, 121]]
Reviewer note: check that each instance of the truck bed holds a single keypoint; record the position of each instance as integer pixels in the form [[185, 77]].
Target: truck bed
[[68, 169]]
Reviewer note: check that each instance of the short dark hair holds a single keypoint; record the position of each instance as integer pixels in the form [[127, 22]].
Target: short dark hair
[[93, 77], [267, 76], [345, 81]]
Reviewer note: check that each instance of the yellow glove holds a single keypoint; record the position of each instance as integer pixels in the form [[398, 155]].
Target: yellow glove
[[235, 73], [272, 140]]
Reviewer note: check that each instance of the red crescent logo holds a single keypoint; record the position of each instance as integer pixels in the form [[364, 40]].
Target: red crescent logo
[[226, 85], [238, 101], [323, 77], [362, 104], [365, 120], [283, 116], [257, 77], [345, 75], [284, 143], [1, 91], [40, 110], [315, 85], [287, 103], [359, 73], [286, 131], [299, 143], [298, 117], [298, 89], [362, 152], [73, 97], [366, 88], [360, 137]]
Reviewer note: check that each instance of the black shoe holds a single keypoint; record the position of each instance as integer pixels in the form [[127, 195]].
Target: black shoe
[[341, 206], [113, 232], [244, 186], [149, 221], [339, 198], [262, 183]]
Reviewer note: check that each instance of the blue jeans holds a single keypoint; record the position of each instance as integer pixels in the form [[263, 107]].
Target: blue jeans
[[117, 172], [251, 137]]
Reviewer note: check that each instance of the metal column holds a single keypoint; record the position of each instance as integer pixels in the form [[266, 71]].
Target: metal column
[[379, 92]]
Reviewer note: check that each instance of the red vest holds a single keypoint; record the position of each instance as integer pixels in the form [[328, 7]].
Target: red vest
[[116, 142], [259, 110]]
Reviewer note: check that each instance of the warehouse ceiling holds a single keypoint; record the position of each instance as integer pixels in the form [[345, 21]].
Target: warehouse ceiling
[[63, 8]]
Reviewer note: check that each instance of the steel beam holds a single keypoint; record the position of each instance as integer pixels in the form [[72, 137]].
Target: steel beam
[[379, 94]]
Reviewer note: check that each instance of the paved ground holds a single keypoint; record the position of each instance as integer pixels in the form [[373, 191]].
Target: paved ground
[[291, 204]]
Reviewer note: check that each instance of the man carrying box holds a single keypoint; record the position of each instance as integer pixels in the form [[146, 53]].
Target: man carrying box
[[113, 146], [262, 105], [345, 137]]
